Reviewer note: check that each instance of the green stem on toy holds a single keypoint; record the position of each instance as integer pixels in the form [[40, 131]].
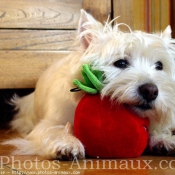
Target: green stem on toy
[[93, 80], [86, 79], [84, 87]]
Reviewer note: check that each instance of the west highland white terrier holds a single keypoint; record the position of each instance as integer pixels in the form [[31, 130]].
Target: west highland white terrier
[[139, 71]]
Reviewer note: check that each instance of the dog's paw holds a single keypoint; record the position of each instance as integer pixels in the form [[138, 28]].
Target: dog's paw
[[160, 149], [69, 149], [65, 148], [159, 145]]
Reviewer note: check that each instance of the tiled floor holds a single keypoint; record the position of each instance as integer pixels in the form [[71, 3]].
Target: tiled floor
[[144, 165]]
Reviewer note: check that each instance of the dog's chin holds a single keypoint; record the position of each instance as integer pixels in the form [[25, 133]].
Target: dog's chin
[[144, 107], [140, 107]]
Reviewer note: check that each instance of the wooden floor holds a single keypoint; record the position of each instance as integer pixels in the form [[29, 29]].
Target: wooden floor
[[144, 165]]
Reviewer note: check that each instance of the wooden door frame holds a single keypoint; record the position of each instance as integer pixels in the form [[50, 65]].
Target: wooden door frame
[[172, 17]]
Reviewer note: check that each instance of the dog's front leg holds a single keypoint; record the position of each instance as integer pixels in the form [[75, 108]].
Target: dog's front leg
[[54, 106], [55, 141]]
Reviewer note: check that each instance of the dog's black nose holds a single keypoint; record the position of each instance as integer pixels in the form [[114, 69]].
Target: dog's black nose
[[148, 91]]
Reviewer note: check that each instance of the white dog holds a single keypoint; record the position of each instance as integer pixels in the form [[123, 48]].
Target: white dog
[[139, 71]]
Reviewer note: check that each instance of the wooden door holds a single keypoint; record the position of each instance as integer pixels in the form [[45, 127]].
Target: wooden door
[[35, 33]]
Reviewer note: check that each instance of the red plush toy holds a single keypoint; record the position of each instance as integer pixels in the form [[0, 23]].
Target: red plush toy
[[109, 130]]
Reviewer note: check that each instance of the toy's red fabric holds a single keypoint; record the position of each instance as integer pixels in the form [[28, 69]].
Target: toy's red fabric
[[108, 130]]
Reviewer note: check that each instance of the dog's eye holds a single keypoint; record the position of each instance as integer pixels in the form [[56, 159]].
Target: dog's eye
[[122, 64], [159, 65]]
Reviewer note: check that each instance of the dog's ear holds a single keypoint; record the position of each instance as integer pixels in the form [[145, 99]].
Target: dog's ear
[[87, 28], [167, 32]]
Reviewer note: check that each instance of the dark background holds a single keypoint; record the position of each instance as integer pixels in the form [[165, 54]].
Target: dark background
[[7, 111]]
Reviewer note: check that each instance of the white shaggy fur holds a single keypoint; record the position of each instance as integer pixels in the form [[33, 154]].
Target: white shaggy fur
[[43, 115]]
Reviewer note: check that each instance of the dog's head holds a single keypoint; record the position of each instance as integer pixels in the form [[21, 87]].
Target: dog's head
[[138, 66]]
